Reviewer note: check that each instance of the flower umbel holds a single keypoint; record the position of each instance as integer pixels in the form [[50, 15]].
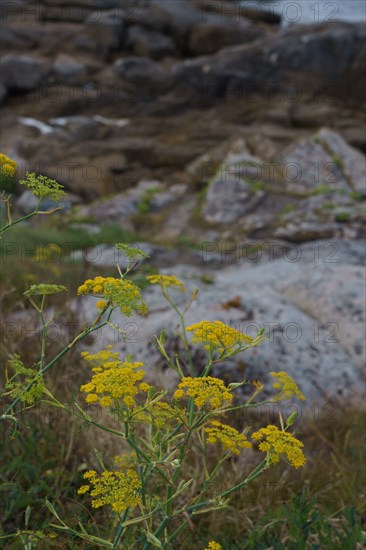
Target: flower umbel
[[204, 391], [166, 281], [217, 336], [131, 251], [43, 187], [119, 292], [287, 386], [113, 380], [229, 437], [212, 545], [116, 489], [44, 289], [279, 442]]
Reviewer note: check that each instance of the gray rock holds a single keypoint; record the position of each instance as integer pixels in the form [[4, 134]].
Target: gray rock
[[269, 65], [23, 72], [147, 43], [176, 18], [351, 161], [144, 75], [103, 33], [229, 199], [119, 208], [68, 70], [306, 166]]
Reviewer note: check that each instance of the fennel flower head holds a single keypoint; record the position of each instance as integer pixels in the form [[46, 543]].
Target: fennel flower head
[[119, 490], [166, 281], [229, 437], [277, 443], [117, 292], [218, 336], [8, 166], [206, 391], [113, 379]]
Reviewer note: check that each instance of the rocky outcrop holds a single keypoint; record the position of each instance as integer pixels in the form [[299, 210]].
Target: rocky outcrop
[[23, 73]]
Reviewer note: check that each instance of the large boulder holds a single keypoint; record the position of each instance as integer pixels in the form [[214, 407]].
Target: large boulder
[[313, 62], [23, 72]]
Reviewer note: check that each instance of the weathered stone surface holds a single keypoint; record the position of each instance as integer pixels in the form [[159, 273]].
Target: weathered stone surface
[[148, 43], [23, 72], [306, 166], [121, 207], [229, 200], [352, 161]]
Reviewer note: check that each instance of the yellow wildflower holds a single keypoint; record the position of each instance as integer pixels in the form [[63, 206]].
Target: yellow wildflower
[[119, 292], [101, 304], [166, 281], [228, 436], [218, 336], [212, 545], [279, 442], [287, 386], [8, 166], [114, 379], [204, 391], [119, 490]]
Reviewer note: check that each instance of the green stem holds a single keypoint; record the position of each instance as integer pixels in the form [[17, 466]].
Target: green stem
[[120, 529], [158, 532]]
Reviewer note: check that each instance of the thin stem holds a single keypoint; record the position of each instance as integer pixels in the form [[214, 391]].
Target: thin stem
[[120, 529]]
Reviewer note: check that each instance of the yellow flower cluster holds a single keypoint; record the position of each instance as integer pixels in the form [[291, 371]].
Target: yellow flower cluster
[[116, 489], [229, 437], [166, 281], [279, 442], [118, 292], [7, 165], [114, 379], [204, 391], [218, 336], [287, 386], [212, 545]]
